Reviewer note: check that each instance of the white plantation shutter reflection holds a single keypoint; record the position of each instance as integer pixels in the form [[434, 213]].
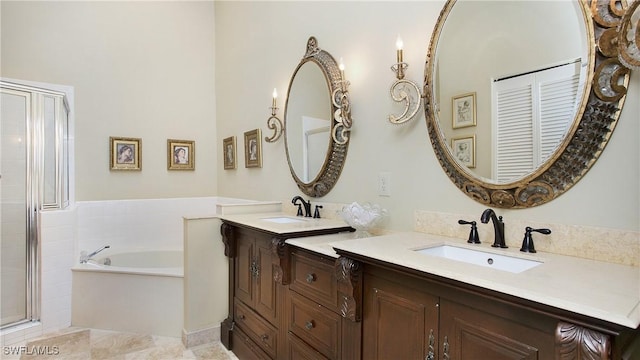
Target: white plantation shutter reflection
[[532, 113]]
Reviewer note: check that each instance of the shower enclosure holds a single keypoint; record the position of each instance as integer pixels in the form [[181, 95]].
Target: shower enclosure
[[34, 173]]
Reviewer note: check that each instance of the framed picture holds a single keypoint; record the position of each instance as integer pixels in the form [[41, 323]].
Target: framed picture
[[229, 152], [125, 153], [464, 149], [252, 149], [464, 110], [181, 154]]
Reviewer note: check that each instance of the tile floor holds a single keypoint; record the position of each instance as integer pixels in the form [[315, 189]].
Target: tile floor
[[84, 344]]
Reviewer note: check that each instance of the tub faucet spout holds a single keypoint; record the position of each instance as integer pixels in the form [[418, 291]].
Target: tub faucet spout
[[498, 227], [84, 258]]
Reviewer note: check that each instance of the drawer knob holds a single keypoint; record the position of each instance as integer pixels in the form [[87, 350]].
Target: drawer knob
[[311, 278], [264, 337], [309, 325], [241, 316]]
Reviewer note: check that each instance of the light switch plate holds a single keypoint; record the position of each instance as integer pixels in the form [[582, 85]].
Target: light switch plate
[[384, 184]]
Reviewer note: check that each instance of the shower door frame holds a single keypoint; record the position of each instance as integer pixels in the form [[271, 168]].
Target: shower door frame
[[35, 174]]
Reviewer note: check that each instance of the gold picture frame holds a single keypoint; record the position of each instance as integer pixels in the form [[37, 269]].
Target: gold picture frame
[[463, 110], [125, 153], [181, 154], [253, 149], [229, 152], [464, 150]]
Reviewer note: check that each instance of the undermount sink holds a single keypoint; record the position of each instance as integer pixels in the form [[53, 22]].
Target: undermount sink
[[482, 258], [283, 220]]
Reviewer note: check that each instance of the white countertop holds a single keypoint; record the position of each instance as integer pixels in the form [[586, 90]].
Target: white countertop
[[321, 244], [297, 224], [606, 291]]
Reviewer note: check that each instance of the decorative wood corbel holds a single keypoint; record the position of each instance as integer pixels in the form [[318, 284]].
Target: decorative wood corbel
[[574, 342], [229, 240], [349, 275], [281, 261]]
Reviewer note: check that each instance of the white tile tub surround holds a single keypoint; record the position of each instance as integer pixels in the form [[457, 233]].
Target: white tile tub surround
[[609, 245], [133, 224]]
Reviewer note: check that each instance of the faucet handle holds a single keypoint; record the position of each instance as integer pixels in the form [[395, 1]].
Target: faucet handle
[[299, 210], [474, 238], [316, 213], [527, 242]]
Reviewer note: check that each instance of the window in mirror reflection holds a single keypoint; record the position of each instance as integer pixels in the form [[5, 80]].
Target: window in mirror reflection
[[531, 115]]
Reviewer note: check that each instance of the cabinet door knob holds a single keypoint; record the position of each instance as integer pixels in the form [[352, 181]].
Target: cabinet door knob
[[311, 278], [310, 325], [241, 316]]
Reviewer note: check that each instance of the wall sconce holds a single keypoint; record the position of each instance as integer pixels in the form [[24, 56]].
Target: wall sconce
[[273, 122], [404, 90], [342, 115]]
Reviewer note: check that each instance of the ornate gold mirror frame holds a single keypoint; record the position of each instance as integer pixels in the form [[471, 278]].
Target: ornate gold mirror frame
[[597, 117], [340, 122]]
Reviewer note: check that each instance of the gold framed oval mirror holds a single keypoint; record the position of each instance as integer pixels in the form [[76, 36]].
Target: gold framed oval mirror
[[520, 98], [316, 134]]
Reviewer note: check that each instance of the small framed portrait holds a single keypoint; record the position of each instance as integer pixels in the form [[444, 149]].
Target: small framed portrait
[[252, 149], [464, 149], [464, 110], [125, 153], [229, 152], [181, 154]]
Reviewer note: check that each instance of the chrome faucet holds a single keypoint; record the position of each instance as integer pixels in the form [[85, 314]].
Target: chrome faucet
[[84, 258], [307, 206], [498, 227]]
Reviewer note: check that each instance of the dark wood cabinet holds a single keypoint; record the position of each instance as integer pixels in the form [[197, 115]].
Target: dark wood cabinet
[[254, 271], [409, 315], [287, 302], [265, 321], [398, 321]]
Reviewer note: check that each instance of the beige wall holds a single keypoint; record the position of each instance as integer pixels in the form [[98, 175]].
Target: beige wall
[[258, 47], [139, 69], [146, 69]]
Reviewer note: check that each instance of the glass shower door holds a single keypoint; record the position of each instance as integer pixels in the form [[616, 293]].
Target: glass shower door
[[15, 207]]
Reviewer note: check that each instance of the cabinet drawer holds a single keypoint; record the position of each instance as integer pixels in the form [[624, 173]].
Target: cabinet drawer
[[315, 278], [244, 348], [258, 329], [316, 325], [299, 350]]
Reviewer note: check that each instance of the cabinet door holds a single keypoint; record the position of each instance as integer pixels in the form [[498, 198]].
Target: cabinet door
[[398, 322], [244, 269], [470, 333], [266, 291]]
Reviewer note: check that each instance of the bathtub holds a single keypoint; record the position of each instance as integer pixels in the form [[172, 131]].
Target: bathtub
[[141, 291]]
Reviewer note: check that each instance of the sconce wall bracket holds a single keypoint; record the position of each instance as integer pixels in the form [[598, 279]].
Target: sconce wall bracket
[[274, 123], [404, 91]]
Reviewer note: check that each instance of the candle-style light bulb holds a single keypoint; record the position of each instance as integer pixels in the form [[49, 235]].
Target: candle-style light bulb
[[275, 96], [399, 45], [341, 67]]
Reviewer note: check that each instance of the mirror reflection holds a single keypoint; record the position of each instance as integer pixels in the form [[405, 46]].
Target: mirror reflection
[[509, 79], [308, 121], [317, 121]]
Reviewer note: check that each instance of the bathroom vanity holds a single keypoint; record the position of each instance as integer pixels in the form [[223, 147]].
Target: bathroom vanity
[[261, 268], [417, 306], [297, 295]]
